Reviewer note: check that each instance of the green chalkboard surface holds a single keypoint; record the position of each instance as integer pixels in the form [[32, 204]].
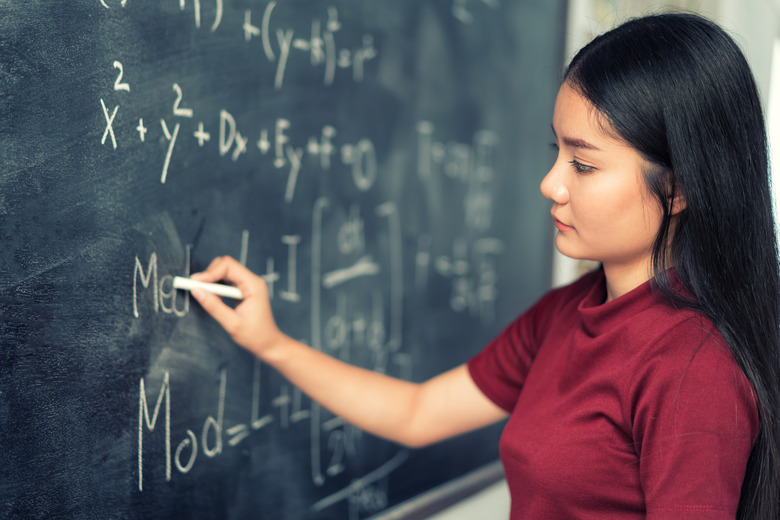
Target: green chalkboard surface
[[378, 162]]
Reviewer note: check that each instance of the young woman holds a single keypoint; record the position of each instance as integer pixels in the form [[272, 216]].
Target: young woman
[[649, 388]]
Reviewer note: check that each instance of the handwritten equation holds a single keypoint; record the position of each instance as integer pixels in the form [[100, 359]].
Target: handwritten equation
[[278, 46], [350, 323], [348, 268]]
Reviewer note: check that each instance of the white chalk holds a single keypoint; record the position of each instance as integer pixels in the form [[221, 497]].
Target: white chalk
[[179, 282]]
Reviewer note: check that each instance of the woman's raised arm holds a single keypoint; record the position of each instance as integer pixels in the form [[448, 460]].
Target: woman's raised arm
[[410, 413]]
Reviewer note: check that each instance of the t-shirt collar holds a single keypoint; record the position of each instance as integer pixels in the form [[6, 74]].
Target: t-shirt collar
[[598, 315]]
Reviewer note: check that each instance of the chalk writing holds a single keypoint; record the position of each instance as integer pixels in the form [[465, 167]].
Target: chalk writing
[[470, 164], [144, 421], [119, 84], [178, 110], [344, 266], [212, 429], [109, 124], [104, 4], [215, 436], [463, 11], [277, 44], [355, 327], [164, 296], [474, 275], [172, 142]]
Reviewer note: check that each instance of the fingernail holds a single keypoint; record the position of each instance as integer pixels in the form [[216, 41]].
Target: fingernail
[[198, 294]]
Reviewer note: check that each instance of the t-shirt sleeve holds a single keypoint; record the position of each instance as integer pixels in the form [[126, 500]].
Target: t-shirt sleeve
[[500, 369], [694, 424]]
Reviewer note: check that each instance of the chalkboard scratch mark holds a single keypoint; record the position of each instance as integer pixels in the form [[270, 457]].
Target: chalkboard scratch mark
[[198, 232], [40, 272], [85, 251], [356, 485], [363, 267]]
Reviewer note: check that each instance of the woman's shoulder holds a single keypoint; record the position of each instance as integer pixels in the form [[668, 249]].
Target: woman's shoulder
[[690, 369], [685, 353]]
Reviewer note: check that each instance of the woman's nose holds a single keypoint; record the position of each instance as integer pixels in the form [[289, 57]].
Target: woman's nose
[[554, 188]]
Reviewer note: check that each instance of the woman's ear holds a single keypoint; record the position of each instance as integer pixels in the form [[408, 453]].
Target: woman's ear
[[675, 198], [663, 184], [678, 201]]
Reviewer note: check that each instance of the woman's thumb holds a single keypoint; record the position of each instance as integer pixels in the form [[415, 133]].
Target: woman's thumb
[[214, 305]]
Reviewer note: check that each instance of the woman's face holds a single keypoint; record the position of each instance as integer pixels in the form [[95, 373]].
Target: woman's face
[[601, 206]]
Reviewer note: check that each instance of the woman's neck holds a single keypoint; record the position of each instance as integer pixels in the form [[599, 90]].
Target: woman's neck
[[622, 278]]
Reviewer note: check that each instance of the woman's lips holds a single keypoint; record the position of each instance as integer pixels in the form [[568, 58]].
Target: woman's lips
[[561, 226]]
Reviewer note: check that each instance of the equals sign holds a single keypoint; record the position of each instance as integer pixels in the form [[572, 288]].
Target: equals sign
[[238, 433]]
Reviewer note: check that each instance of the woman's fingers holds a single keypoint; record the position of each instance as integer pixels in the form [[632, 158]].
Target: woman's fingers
[[214, 305], [221, 268], [251, 322], [227, 269]]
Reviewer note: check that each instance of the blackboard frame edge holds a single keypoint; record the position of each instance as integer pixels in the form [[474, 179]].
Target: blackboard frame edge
[[445, 495]]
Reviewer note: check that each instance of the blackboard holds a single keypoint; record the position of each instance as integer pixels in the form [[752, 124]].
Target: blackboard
[[378, 162]]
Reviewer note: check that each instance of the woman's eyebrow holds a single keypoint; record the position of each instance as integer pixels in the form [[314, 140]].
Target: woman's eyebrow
[[577, 143]]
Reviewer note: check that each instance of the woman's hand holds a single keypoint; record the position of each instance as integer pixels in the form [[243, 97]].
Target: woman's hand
[[251, 324]]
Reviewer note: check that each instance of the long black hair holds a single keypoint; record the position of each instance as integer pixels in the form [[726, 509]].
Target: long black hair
[[677, 89]]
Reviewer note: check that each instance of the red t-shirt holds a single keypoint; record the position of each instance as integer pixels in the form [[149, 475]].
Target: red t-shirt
[[624, 409]]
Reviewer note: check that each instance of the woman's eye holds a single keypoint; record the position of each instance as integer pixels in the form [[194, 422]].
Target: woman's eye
[[581, 168]]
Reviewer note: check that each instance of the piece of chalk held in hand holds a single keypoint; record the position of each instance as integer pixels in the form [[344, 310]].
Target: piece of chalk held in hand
[[179, 282]]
